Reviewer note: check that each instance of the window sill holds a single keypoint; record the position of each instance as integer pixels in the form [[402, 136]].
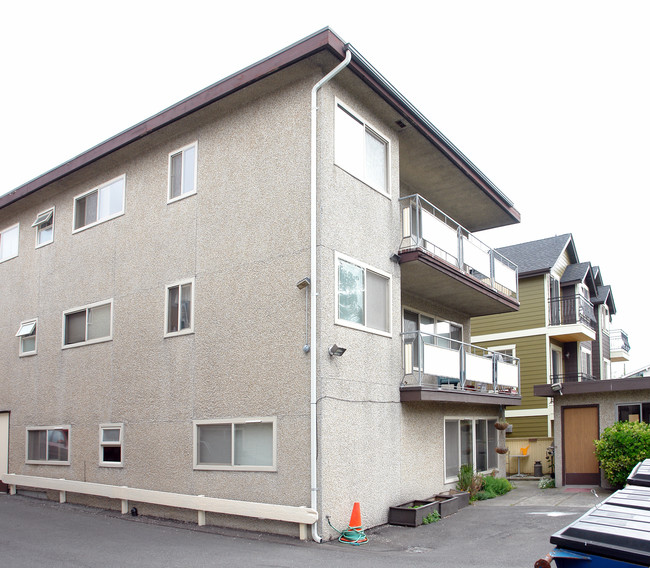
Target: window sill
[[84, 343], [359, 327], [179, 333], [235, 468], [91, 225], [51, 462], [181, 197]]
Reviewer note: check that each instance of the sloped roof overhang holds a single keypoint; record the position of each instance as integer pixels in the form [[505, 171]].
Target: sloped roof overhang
[[323, 40]]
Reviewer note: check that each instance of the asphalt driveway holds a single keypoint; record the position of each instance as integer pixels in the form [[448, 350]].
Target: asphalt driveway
[[509, 531]]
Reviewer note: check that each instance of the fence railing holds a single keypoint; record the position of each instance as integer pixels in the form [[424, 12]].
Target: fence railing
[[425, 227], [442, 362], [568, 310], [572, 378], [618, 341]]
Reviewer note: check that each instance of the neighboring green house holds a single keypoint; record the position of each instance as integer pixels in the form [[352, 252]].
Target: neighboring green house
[[561, 332]]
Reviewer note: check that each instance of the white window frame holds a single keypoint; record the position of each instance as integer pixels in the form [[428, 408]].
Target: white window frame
[[474, 420], [43, 217], [501, 348], [87, 341], [196, 424], [104, 444], [184, 193], [47, 429], [358, 170], [97, 190], [15, 227], [338, 257], [25, 331], [179, 285]]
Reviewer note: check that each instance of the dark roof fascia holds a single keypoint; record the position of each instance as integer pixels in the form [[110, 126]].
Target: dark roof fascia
[[324, 39], [588, 387]]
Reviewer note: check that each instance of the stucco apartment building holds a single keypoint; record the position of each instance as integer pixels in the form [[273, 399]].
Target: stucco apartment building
[[258, 302], [562, 333]]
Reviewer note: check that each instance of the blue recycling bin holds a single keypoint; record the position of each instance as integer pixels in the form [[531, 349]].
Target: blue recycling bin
[[614, 534]]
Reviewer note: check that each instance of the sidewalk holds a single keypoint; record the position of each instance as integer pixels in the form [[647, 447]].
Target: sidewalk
[[527, 493]]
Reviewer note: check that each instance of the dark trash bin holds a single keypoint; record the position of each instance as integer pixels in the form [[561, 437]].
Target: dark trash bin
[[614, 534]]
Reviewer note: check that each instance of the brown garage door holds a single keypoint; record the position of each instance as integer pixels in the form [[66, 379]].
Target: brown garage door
[[579, 430]]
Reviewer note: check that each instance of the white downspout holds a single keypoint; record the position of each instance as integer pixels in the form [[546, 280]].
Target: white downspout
[[313, 287]]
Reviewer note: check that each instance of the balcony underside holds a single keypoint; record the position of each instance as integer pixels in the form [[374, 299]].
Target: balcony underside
[[436, 280], [571, 333], [437, 394], [618, 355]]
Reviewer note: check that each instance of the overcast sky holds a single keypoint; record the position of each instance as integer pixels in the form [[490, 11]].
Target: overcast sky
[[549, 99]]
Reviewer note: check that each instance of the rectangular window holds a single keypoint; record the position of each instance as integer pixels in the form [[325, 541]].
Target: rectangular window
[[182, 172], [470, 441], [9, 242], [89, 324], [179, 308], [48, 445], [242, 444], [44, 227], [110, 445], [27, 335], [100, 204], [360, 150], [363, 296], [634, 412]]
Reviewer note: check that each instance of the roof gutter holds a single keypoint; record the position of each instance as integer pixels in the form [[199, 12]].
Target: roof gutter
[[313, 286]]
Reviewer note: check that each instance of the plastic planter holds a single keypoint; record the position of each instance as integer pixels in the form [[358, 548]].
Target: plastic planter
[[412, 514]]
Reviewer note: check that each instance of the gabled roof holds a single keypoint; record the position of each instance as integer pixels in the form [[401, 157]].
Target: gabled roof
[[575, 273], [538, 257], [604, 296], [324, 40]]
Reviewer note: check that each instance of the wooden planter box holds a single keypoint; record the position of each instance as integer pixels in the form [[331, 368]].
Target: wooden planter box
[[412, 513], [461, 496], [448, 504]]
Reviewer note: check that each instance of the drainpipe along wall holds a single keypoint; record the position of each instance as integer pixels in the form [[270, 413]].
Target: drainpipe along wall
[[314, 283]]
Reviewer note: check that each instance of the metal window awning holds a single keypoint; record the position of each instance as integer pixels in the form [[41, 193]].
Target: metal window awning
[[26, 329], [43, 218]]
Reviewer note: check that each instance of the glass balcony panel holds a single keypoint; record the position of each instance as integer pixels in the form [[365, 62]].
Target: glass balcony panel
[[507, 374], [478, 368], [476, 258], [439, 238], [441, 362], [505, 275]]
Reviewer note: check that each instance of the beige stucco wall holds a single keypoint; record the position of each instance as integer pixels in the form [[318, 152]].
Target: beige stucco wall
[[244, 239]]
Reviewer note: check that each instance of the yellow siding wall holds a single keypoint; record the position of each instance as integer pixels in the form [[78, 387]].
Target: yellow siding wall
[[531, 314], [528, 426], [531, 352]]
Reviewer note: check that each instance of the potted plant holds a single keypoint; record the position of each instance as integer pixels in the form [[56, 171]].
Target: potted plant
[[413, 513]]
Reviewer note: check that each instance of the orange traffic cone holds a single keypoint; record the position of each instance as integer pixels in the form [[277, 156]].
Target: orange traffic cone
[[355, 518], [354, 534]]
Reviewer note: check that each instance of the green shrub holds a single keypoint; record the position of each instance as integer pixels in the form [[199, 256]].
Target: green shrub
[[496, 485], [620, 448], [465, 477]]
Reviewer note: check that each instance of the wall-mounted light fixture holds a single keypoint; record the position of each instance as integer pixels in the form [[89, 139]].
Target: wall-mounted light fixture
[[557, 387], [395, 258], [304, 285], [335, 350]]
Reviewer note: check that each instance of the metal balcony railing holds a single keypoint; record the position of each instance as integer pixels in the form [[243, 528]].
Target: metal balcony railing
[[425, 227], [618, 341], [568, 310], [572, 378], [441, 362]]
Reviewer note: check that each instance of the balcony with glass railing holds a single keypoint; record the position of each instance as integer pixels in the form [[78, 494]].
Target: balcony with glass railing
[[435, 251], [619, 346], [439, 368], [572, 318]]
